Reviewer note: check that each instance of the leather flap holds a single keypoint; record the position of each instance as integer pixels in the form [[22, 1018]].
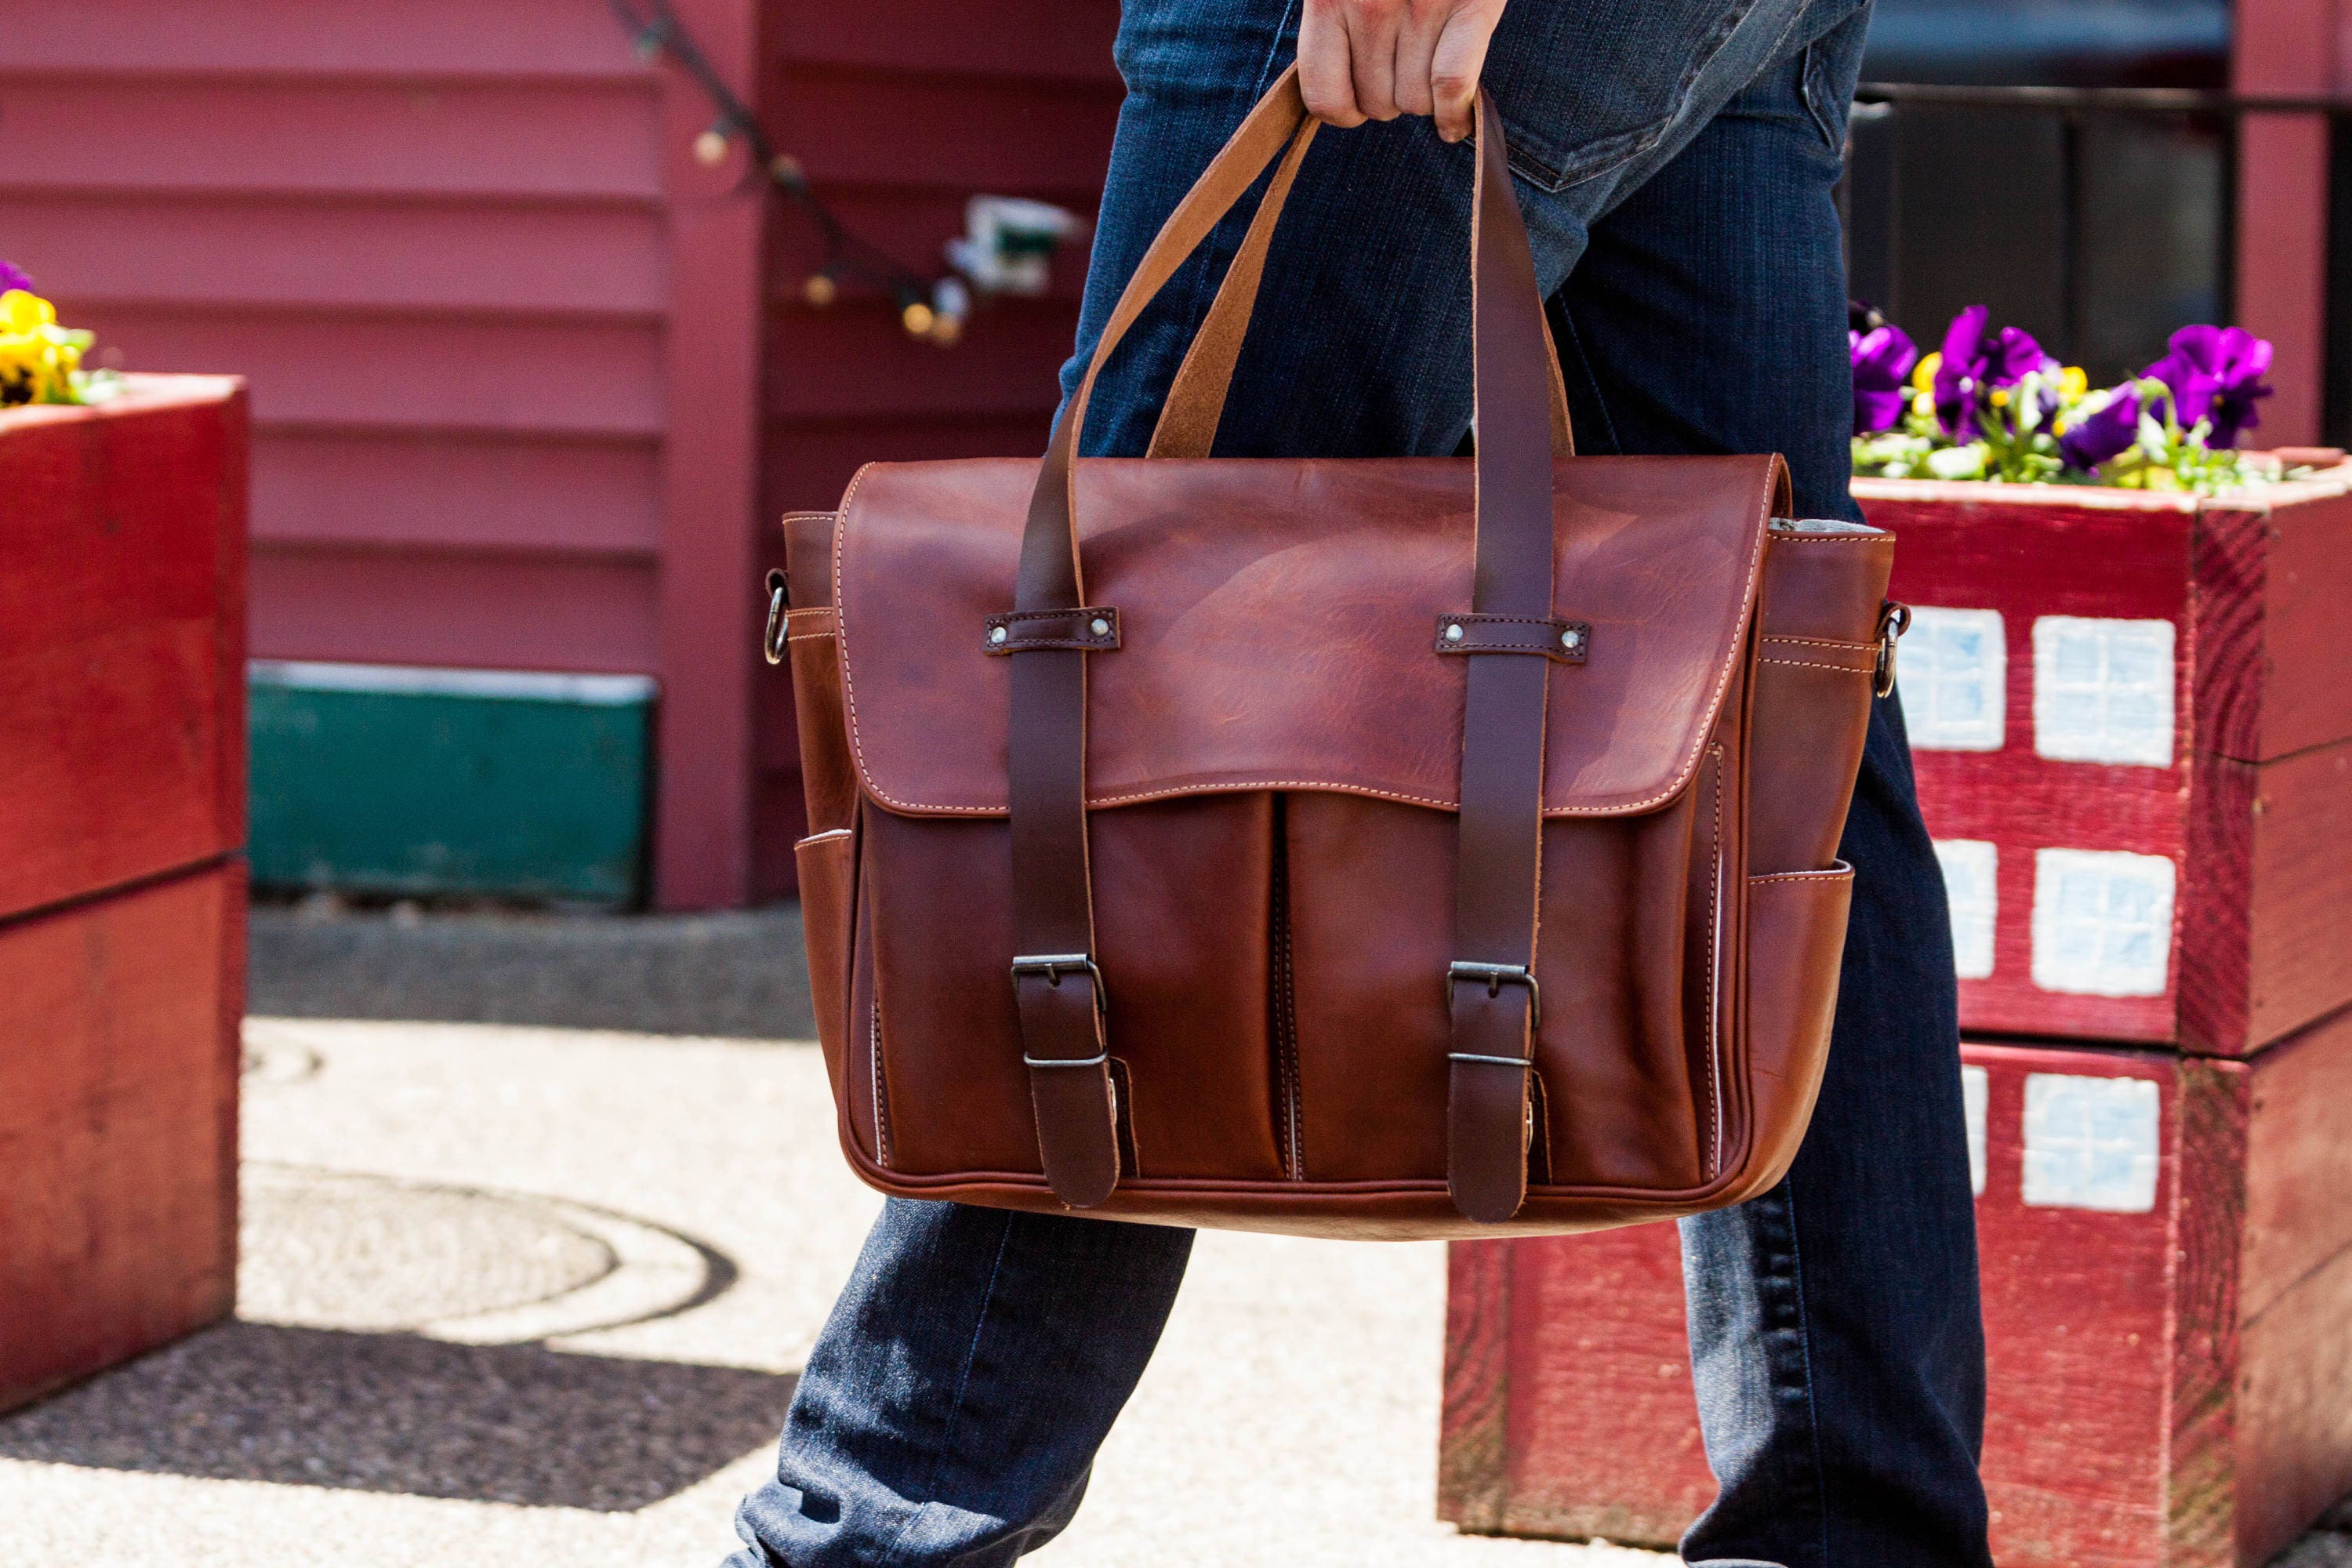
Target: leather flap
[[1274, 625]]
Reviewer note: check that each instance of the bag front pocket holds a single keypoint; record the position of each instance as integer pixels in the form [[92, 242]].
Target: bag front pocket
[[1181, 931]]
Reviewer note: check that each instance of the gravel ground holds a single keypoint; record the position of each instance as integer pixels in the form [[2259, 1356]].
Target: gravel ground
[[523, 1295]]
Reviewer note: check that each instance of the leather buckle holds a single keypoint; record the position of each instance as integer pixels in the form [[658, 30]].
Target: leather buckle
[[1893, 620], [1494, 977], [1053, 966]]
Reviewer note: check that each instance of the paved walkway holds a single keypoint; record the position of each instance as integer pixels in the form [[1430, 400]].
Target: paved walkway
[[520, 1296]]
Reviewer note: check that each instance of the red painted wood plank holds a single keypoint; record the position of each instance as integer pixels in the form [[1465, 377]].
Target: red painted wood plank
[[879, 129], [469, 609], [583, 141], [452, 491], [1471, 1488], [1039, 41], [2299, 1163], [2275, 675], [808, 463], [2301, 962], [414, 38], [709, 601], [2281, 283], [523, 377], [2294, 1409], [118, 1140], [854, 363], [121, 640], [98, 251]]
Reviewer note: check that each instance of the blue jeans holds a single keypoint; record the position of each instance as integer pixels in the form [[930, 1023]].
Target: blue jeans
[[1676, 161]]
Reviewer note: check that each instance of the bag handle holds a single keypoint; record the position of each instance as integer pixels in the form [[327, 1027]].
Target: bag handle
[[1196, 399], [1058, 987]]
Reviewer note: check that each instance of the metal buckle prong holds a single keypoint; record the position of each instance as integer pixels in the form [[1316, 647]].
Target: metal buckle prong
[[1521, 1062], [1053, 965], [1495, 977]]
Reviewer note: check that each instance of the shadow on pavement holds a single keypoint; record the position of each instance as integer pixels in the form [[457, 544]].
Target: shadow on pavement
[[401, 1413], [742, 974]]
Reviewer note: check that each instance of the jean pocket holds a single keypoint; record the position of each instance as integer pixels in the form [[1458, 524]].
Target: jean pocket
[[1585, 89], [1832, 65]]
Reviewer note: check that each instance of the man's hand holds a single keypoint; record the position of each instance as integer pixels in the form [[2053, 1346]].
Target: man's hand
[[1375, 60]]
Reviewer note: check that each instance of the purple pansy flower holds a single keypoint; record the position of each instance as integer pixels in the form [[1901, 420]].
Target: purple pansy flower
[[1975, 363], [2215, 374], [2095, 437], [1882, 357], [13, 277]]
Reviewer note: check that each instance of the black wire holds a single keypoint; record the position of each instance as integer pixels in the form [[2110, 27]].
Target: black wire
[[660, 32]]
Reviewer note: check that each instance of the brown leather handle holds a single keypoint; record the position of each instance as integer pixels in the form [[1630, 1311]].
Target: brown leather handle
[[1196, 399], [1522, 421]]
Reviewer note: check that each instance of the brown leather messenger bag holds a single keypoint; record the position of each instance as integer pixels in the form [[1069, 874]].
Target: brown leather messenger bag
[[1395, 848]]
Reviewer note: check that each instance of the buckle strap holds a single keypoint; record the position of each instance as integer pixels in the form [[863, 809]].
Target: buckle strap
[[1062, 1008]]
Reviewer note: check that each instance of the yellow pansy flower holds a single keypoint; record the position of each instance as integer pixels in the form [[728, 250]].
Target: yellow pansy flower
[[1923, 375], [2071, 382]]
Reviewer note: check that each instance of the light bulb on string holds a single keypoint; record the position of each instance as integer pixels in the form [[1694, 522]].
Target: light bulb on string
[[820, 289], [710, 147], [917, 319]]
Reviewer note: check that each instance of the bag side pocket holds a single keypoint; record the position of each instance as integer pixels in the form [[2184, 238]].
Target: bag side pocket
[[1796, 939], [828, 869]]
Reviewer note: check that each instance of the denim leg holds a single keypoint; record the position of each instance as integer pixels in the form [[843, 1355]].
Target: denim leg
[[951, 1411], [952, 1405], [1834, 1327]]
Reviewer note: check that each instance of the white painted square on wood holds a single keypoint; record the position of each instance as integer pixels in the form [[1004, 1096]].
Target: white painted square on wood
[[2102, 691], [2090, 1142], [2101, 923], [1976, 1094], [1971, 887], [1952, 673]]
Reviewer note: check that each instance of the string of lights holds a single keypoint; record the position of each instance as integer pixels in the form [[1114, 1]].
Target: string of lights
[[932, 309]]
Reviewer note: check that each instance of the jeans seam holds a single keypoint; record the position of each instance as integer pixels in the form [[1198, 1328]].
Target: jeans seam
[[1805, 1348], [891, 1553], [1592, 382]]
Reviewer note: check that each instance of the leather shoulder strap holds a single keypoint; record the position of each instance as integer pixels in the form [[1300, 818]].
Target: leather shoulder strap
[[1058, 985]]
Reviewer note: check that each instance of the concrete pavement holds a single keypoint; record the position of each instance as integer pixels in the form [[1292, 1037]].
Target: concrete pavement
[[534, 1295]]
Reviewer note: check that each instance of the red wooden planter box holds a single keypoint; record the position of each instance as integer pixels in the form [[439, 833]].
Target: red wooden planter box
[[121, 898], [2167, 1287], [2132, 720]]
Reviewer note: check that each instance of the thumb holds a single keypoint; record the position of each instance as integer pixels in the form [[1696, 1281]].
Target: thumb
[[1454, 66]]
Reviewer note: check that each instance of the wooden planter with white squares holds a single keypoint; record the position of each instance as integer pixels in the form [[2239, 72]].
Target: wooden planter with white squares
[[2131, 715], [2167, 1248]]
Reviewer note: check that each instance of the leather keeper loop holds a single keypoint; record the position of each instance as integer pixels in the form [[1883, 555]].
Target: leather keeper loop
[[1564, 641], [1089, 629]]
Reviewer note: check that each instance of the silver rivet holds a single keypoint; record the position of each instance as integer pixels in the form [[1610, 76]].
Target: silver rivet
[[1453, 634], [996, 634], [1567, 640], [1100, 626]]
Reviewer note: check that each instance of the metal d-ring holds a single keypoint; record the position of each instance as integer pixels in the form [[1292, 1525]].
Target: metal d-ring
[[774, 646]]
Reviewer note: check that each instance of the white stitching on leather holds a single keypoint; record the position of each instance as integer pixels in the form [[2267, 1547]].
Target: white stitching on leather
[[1815, 664], [1714, 965]]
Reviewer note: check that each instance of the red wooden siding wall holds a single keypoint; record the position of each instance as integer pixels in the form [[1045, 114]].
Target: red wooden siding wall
[[900, 110], [513, 407]]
